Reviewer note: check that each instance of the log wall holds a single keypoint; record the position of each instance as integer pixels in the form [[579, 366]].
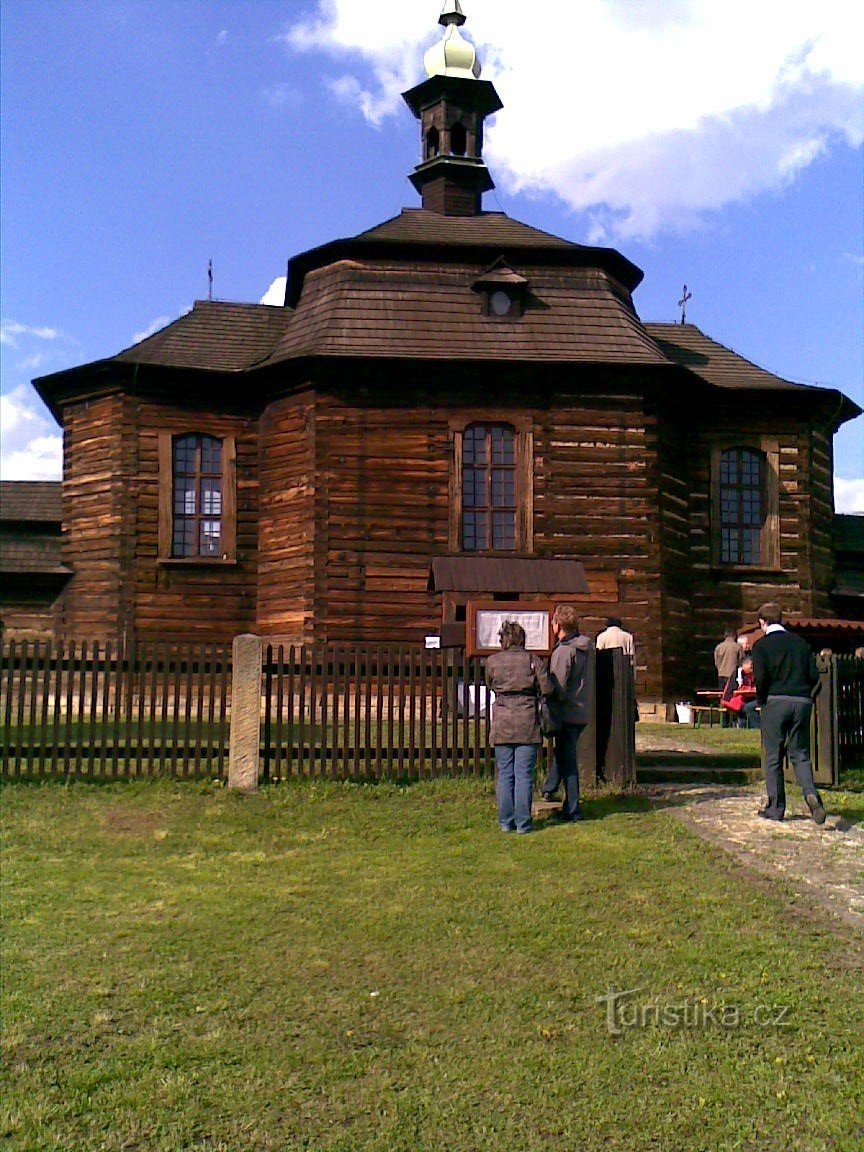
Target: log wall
[[286, 530], [95, 474]]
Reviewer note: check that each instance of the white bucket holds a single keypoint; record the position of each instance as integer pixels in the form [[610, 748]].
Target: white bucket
[[684, 712]]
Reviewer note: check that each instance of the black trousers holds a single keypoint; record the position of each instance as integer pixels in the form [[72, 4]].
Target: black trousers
[[786, 731]]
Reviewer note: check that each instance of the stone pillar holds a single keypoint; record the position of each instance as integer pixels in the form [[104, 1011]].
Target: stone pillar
[[245, 713]]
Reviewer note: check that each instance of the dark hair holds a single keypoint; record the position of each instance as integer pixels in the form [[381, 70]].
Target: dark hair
[[511, 635], [770, 613], [613, 622], [733, 632]]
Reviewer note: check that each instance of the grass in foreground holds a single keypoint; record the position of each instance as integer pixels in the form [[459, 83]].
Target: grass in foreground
[[340, 968]]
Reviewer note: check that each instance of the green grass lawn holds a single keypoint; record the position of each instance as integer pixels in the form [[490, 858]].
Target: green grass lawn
[[343, 967]]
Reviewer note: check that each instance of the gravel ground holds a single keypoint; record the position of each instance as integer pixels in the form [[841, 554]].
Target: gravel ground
[[824, 865]]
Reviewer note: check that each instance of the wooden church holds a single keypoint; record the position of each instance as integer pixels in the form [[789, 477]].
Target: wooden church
[[451, 406]]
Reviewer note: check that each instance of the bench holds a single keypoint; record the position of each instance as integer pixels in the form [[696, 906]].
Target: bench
[[700, 712]]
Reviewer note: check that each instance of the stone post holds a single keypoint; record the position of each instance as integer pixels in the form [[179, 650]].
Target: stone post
[[245, 713]]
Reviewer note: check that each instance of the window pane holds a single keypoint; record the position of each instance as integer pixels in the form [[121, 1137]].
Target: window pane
[[211, 456], [474, 531], [211, 498], [211, 531], [502, 446], [504, 530], [742, 505]]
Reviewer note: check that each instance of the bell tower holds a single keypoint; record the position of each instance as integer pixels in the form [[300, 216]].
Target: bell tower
[[451, 106]]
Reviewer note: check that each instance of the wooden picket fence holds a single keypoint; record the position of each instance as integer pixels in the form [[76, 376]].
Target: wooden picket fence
[[848, 707], [103, 710], [407, 712]]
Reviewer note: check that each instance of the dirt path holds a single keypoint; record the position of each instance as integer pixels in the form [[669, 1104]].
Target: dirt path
[[825, 865]]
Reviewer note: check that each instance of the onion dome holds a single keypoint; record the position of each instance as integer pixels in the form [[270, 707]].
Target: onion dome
[[453, 55]]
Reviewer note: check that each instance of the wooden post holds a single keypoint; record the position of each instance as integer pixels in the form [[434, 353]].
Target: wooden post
[[586, 749], [823, 728], [245, 714]]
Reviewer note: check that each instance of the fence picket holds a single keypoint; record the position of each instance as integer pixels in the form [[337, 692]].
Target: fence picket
[[7, 681], [45, 693]]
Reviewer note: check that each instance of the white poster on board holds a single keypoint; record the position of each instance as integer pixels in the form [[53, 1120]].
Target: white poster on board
[[536, 625]]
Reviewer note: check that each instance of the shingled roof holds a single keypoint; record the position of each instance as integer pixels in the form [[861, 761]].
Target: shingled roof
[[489, 229], [31, 501], [431, 311], [407, 289], [420, 236], [215, 336], [685, 344], [32, 556]]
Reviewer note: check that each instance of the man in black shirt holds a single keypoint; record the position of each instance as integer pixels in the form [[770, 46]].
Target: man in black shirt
[[785, 673]]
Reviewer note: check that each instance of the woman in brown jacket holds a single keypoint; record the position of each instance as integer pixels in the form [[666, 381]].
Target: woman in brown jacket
[[518, 679]]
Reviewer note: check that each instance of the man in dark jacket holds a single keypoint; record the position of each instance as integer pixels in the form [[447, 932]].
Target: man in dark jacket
[[570, 669], [785, 673]]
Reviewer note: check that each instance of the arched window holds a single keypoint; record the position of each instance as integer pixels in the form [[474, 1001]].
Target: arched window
[[197, 496], [489, 488], [432, 142], [743, 505], [458, 139]]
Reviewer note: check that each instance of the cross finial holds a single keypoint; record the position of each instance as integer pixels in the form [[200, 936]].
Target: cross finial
[[210, 280], [682, 303]]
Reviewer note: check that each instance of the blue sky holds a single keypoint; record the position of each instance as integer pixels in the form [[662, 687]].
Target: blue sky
[[714, 143]]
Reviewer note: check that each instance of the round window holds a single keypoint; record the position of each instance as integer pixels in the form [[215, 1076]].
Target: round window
[[499, 302]]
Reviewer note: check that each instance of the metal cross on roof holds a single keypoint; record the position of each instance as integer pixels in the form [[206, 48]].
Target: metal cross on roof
[[682, 304]]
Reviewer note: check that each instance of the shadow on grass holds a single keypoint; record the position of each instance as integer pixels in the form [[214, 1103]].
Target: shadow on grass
[[668, 758]]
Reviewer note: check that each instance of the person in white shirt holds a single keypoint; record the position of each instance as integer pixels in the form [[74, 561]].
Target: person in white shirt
[[614, 635]]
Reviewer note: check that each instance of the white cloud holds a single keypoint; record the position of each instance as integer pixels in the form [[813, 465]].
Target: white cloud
[[10, 330], [275, 294], [645, 113], [31, 448], [15, 412], [848, 495], [40, 459], [156, 326]]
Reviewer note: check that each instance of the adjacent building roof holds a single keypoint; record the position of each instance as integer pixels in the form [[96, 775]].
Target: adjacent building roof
[[31, 501], [33, 555], [30, 522]]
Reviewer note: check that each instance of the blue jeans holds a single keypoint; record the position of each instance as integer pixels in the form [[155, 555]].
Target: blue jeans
[[565, 767], [515, 763]]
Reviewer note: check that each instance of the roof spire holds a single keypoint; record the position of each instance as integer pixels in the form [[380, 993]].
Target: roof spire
[[453, 55], [451, 105]]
